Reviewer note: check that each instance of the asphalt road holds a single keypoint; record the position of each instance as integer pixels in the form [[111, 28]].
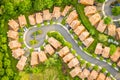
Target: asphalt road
[[108, 9], [67, 36]]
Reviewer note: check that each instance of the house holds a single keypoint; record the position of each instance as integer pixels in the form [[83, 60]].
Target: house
[[118, 63], [93, 75], [56, 12], [101, 76], [55, 43], [74, 72], [14, 44], [22, 21], [16, 53], [87, 2], [38, 17], [84, 74], [12, 34], [94, 19], [63, 51], [118, 33], [13, 24], [74, 62], [34, 58], [111, 30], [21, 63], [32, 19], [84, 35], [79, 30], [106, 52], [108, 78], [75, 24], [101, 26], [72, 16], [65, 11], [90, 10], [68, 57], [98, 49], [42, 56], [49, 49], [46, 15], [87, 42], [114, 57]]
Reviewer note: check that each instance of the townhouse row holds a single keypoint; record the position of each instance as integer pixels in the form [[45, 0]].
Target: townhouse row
[[97, 21]]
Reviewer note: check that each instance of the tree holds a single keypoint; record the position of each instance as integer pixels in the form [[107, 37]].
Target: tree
[[25, 6], [9, 72], [5, 78], [4, 47], [49, 62], [116, 10], [1, 64], [9, 9], [58, 2], [17, 77], [38, 5], [100, 1], [1, 71], [107, 20], [3, 39], [7, 63], [1, 56], [48, 3]]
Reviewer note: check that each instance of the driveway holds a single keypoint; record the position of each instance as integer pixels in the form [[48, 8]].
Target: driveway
[[63, 31]]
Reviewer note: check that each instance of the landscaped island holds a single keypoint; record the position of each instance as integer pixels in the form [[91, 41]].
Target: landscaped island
[[58, 40]]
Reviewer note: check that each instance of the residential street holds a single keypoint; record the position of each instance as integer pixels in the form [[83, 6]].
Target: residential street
[[67, 36], [107, 10]]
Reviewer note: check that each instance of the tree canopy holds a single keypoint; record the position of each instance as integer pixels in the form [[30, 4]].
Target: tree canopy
[[116, 10], [107, 20]]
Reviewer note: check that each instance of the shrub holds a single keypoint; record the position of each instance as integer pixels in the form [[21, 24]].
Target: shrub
[[79, 43], [101, 58], [100, 1], [71, 31], [103, 70], [88, 65], [96, 68], [75, 37], [114, 65], [112, 49], [42, 48], [108, 74], [102, 38], [69, 45], [107, 20], [73, 51], [46, 41]]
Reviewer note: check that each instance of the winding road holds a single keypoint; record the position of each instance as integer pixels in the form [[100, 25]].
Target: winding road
[[64, 31], [107, 10]]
